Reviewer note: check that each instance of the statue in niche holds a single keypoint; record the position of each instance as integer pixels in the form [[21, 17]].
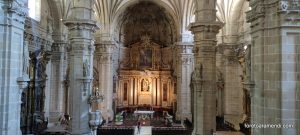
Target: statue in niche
[[42, 60], [145, 85], [197, 73], [197, 77], [86, 69], [26, 58]]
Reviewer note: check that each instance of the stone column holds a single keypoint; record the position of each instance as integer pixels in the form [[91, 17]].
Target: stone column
[[275, 50], [12, 19], [81, 25], [184, 70], [57, 95], [104, 58], [233, 89], [205, 29]]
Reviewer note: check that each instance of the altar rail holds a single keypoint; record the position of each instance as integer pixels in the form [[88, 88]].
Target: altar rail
[[115, 131]]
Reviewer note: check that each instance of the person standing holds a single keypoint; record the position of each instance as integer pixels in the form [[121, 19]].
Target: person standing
[[139, 127]]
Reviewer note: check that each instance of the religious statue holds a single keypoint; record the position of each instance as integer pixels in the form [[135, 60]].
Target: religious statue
[[42, 60], [197, 73], [26, 58], [197, 77], [145, 85], [86, 69]]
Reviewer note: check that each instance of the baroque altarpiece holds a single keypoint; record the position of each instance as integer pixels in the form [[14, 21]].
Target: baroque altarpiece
[[145, 75]]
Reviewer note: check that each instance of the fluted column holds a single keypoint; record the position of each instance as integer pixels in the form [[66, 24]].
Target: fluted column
[[57, 95], [104, 59], [12, 18], [184, 70], [81, 25], [205, 29]]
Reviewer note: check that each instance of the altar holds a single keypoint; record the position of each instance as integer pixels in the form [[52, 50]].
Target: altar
[[145, 76], [143, 113]]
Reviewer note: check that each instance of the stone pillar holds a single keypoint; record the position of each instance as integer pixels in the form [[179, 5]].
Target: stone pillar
[[184, 70], [12, 19], [57, 95], [233, 89], [205, 29], [104, 59], [275, 51], [81, 26]]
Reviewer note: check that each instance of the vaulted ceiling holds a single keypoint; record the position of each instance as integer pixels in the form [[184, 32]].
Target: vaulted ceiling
[[109, 12], [147, 18]]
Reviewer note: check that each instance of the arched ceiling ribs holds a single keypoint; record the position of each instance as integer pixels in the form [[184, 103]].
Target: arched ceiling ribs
[[229, 12], [147, 19], [60, 11], [109, 12]]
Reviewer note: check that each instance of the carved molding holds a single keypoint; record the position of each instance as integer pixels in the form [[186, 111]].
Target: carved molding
[[186, 60], [285, 7], [105, 47], [19, 8], [210, 28], [232, 53], [38, 41], [58, 46], [81, 25], [258, 10]]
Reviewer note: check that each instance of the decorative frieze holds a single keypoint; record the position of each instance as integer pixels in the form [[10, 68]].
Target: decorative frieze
[[18, 9], [37, 42]]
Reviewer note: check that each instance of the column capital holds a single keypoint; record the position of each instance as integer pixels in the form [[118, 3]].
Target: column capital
[[209, 27], [184, 47], [18, 7], [106, 47], [81, 24], [59, 46], [230, 49]]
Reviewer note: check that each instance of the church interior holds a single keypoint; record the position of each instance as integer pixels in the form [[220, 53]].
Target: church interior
[[150, 67]]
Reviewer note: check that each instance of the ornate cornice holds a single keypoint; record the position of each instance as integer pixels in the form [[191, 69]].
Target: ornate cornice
[[17, 12], [37, 40], [259, 9], [18, 7], [288, 6]]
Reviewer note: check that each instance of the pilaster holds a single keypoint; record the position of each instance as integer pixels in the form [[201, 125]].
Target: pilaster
[[81, 25], [12, 19]]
